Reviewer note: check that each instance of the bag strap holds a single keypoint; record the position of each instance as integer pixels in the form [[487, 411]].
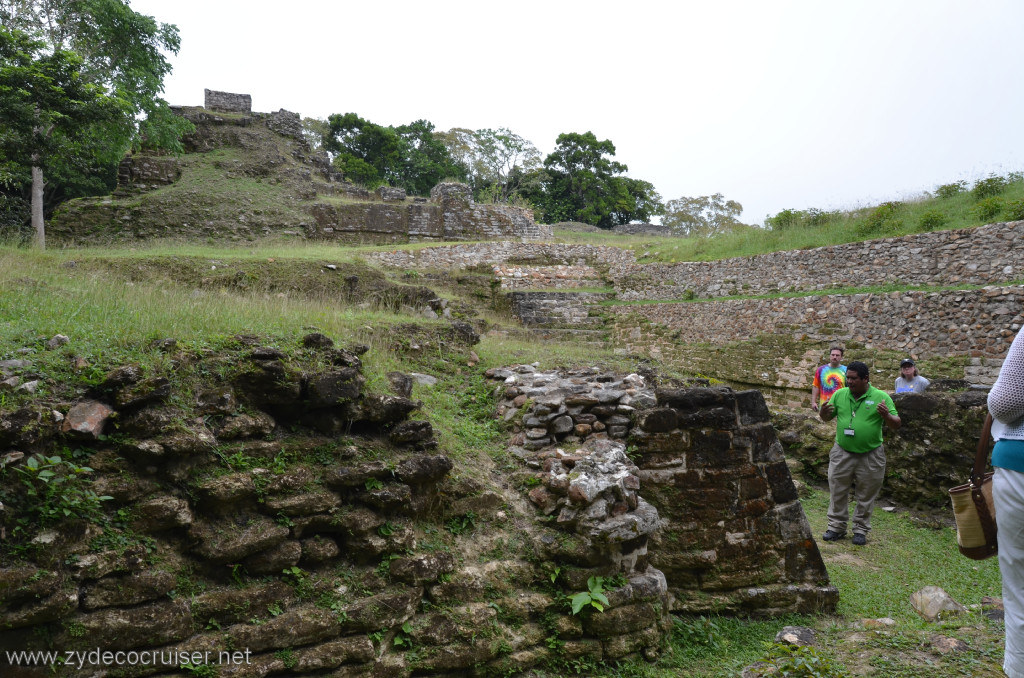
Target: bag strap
[[981, 456], [987, 520]]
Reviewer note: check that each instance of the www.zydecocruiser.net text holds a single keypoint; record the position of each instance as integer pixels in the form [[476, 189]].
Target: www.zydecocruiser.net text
[[97, 657]]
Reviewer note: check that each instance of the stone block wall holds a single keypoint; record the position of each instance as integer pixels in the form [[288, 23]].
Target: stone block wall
[[513, 277], [450, 215], [732, 537], [276, 509], [556, 309], [975, 256], [227, 102], [501, 253], [978, 323], [925, 324], [143, 172]]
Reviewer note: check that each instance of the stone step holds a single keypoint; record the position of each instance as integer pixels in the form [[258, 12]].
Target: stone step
[[596, 338]]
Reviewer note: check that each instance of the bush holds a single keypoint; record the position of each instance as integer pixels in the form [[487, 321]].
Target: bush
[[989, 187], [932, 220], [801, 662], [886, 218], [950, 190], [1015, 210], [784, 220], [54, 489], [988, 209]]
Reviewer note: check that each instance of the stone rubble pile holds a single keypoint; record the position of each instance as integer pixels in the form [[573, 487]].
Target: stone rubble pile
[[570, 407]]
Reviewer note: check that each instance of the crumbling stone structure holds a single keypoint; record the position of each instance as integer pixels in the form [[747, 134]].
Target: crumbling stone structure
[[302, 195], [143, 173], [732, 537], [263, 502], [226, 102], [558, 309], [504, 253], [984, 255]]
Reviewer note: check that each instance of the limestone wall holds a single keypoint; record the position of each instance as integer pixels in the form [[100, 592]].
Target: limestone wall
[[977, 256], [142, 172], [980, 323], [501, 253], [227, 102], [513, 277], [262, 502], [733, 536], [554, 309]]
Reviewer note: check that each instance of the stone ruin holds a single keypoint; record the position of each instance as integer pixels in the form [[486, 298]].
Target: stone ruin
[[703, 464], [276, 506], [314, 200], [226, 102]]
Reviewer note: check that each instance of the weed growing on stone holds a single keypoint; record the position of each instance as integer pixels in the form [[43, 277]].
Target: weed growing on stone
[[55, 489]]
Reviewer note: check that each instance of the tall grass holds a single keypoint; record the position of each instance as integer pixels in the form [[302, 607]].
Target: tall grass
[[951, 206]]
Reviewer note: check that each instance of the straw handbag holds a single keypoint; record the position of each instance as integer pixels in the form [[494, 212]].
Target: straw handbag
[[972, 506]]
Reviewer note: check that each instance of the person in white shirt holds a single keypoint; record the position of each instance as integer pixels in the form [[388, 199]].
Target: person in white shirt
[[1006, 405]]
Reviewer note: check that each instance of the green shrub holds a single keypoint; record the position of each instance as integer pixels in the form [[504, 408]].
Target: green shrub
[[932, 220], [697, 635], [784, 220], [886, 218], [1015, 210], [57, 489], [989, 187], [988, 209], [950, 190], [593, 597], [801, 662]]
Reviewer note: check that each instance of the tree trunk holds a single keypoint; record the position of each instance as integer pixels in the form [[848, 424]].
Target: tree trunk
[[37, 208]]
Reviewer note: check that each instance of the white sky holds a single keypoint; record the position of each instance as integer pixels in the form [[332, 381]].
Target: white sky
[[774, 104]]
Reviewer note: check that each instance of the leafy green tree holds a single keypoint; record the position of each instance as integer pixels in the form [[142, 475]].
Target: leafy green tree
[[409, 156], [426, 159], [50, 114], [498, 162], [583, 183], [365, 152], [705, 215], [120, 53]]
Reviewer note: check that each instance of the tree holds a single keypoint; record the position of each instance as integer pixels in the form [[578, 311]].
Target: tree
[[364, 152], [48, 109], [426, 160], [118, 53], [409, 156], [706, 215], [584, 184], [497, 161]]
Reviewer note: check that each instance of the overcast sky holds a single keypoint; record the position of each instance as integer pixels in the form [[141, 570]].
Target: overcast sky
[[774, 104]]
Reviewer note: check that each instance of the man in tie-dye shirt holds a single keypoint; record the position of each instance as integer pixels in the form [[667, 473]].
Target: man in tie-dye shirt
[[828, 379]]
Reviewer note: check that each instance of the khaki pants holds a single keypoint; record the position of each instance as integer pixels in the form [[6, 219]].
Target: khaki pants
[[845, 469]]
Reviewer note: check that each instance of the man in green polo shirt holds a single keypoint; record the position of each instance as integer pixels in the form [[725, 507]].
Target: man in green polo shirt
[[857, 457]]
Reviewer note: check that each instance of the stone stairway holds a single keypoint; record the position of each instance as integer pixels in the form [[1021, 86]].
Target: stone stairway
[[557, 302]]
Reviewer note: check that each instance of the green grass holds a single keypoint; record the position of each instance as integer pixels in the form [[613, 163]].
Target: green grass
[[810, 228], [900, 558], [874, 581], [111, 323], [871, 289]]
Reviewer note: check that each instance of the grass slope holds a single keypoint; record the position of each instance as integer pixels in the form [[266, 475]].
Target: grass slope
[[111, 313], [951, 207]]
